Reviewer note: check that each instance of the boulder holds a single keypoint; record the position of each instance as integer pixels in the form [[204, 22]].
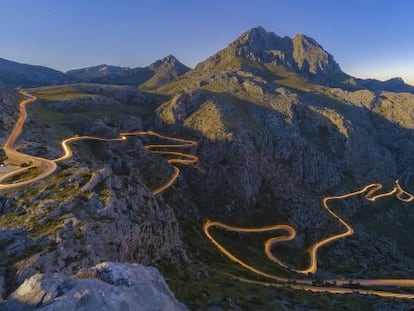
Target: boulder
[[107, 286]]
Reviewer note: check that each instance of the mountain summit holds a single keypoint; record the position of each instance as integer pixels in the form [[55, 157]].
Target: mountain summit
[[301, 54], [165, 70]]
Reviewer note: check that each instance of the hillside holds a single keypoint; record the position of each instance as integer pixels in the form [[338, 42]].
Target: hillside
[[13, 74], [275, 127]]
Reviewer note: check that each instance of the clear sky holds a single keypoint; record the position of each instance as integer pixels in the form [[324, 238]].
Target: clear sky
[[368, 38]]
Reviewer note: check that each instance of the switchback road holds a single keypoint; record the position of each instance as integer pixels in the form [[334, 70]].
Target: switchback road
[[48, 167]]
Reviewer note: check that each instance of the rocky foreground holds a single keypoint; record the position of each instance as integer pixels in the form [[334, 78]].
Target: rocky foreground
[[107, 286]]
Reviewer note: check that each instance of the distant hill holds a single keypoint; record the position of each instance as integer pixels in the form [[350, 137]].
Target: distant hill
[[13, 74], [392, 85], [96, 72], [160, 72]]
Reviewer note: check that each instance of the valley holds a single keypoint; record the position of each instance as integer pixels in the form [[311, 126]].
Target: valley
[[236, 178], [47, 167]]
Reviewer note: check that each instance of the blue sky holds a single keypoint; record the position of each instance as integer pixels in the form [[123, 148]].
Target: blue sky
[[368, 38]]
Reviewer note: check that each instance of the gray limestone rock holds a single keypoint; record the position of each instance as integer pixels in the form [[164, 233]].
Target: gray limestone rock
[[107, 286]]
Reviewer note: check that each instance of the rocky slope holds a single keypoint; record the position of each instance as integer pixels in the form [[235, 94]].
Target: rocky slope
[[279, 126], [98, 206], [275, 138]]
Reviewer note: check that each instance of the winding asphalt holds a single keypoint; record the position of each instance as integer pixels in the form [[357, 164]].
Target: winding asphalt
[[48, 167], [306, 284]]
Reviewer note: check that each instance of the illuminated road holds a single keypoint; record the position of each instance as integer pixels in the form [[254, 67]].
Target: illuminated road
[[178, 157], [331, 290], [19, 124], [47, 167], [371, 194]]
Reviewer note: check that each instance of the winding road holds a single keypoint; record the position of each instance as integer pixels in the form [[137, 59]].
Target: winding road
[[48, 167], [371, 194]]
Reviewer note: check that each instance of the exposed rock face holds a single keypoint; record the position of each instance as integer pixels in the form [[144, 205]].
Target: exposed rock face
[[301, 54], [111, 286], [83, 216], [14, 74], [312, 59]]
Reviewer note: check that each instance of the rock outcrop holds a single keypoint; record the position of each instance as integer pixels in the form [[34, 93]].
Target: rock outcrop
[[107, 286], [301, 55]]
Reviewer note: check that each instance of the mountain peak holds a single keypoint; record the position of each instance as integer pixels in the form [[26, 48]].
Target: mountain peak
[[165, 70], [169, 59], [254, 33], [256, 39], [301, 55]]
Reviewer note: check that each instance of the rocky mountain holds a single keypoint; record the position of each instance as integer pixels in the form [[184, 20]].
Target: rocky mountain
[[278, 127], [13, 74], [165, 70], [96, 72], [301, 55], [152, 76]]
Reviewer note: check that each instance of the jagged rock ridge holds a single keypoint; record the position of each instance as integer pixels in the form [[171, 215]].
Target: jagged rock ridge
[[301, 54]]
